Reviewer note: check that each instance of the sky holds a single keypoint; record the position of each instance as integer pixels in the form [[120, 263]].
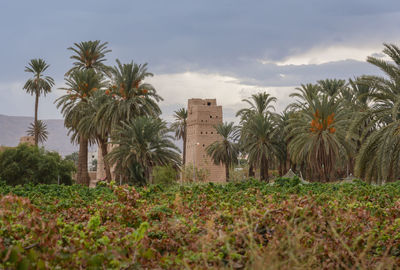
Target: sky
[[223, 49]]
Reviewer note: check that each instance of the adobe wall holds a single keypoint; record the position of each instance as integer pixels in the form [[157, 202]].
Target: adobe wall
[[203, 115]]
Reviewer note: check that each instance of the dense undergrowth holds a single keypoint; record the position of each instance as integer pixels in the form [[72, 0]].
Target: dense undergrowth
[[239, 225]]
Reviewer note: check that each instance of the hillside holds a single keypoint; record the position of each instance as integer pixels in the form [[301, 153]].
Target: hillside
[[14, 127]]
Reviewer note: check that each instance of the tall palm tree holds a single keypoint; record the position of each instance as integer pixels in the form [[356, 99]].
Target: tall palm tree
[[142, 143], [227, 150], [259, 139], [317, 132], [357, 101], [38, 129], [180, 128], [95, 127], [260, 103], [282, 121], [379, 156], [129, 97], [38, 85], [81, 85], [89, 55]]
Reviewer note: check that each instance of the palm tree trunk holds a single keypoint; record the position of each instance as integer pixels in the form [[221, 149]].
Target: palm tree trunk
[[227, 172], [184, 147], [264, 169], [36, 118], [251, 170], [104, 152], [302, 169], [82, 174]]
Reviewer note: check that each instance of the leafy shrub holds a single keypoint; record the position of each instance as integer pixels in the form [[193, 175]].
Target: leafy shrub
[[30, 164], [200, 173], [243, 225], [165, 175], [287, 182]]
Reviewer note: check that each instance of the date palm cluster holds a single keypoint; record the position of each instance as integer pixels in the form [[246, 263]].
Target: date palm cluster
[[114, 106], [333, 129]]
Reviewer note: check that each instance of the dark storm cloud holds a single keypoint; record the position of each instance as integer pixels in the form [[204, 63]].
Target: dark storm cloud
[[225, 37]]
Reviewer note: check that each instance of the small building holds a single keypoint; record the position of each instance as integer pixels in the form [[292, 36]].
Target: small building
[[30, 140], [203, 115]]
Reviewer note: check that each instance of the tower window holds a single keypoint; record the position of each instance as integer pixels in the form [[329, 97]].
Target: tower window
[[210, 116], [206, 132], [204, 145], [201, 132], [208, 103], [212, 132]]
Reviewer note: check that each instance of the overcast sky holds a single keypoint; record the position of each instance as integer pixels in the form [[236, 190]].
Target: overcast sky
[[207, 49]]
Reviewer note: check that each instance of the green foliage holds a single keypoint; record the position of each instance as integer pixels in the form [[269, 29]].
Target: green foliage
[[165, 175], [287, 182], [238, 225], [73, 157], [142, 143], [29, 164], [201, 174], [226, 151]]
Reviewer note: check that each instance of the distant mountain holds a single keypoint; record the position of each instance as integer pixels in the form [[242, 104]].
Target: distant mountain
[[12, 128]]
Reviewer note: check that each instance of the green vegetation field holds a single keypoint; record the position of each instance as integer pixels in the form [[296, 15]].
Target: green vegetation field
[[235, 226]]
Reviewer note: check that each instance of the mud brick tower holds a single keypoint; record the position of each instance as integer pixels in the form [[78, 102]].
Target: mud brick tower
[[203, 115]]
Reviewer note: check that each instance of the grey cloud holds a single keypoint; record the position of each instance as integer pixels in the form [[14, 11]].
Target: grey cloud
[[224, 37]]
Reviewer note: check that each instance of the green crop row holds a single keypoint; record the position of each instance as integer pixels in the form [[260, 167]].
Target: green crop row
[[244, 225]]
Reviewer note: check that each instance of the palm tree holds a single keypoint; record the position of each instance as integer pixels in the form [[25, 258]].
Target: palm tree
[[317, 132], [95, 127], [39, 84], [180, 127], [89, 55], [131, 96], [81, 85], [357, 101], [81, 81], [260, 103], [38, 130], [259, 138], [227, 150], [379, 156], [282, 121], [332, 87], [142, 143]]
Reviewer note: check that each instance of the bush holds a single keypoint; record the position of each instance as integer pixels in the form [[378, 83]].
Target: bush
[[30, 164], [164, 175], [287, 182], [243, 225], [201, 173]]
